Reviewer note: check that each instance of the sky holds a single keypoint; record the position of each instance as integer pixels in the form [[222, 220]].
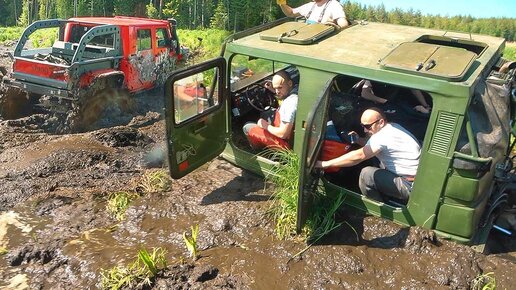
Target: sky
[[475, 8]]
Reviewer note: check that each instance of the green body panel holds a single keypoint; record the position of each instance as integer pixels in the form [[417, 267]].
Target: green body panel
[[449, 200], [460, 220]]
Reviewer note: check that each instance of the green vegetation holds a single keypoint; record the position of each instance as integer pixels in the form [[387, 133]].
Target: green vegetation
[[284, 200], [510, 51], [191, 241], [10, 33], [484, 282], [155, 181], [118, 202], [284, 205], [210, 46], [138, 273], [3, 251], [151, 182], [44, 37]]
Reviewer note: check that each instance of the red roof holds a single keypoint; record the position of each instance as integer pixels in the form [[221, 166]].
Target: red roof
[[120, 20]]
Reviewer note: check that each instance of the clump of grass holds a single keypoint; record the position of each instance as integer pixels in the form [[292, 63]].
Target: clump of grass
[[118, 202], [140, 272], [3, 251], [484, 281], [285, 177], [155, 181], [191, 241]]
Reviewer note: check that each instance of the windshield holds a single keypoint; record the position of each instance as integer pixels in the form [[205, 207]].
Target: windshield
[[246, 70]]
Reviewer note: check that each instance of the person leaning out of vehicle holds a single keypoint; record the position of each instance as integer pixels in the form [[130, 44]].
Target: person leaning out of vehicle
[[397, 150], [276, 133], [317, 11]]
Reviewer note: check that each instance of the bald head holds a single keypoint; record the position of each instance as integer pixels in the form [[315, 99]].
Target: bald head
[[372, 120], [282, 84]]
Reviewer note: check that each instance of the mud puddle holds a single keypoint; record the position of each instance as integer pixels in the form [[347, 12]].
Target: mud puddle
[[58, 234]]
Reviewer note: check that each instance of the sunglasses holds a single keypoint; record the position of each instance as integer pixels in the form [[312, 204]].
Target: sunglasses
[[368, 126]]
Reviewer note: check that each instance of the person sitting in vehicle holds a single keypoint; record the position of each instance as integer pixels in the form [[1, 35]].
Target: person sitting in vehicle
[[396, 149], [276, 133], [368, 94], [320, 11]]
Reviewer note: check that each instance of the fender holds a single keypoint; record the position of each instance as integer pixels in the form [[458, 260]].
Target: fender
[[92, 77]]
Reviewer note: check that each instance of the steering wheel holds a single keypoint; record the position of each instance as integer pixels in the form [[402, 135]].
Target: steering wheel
[[259, 97]]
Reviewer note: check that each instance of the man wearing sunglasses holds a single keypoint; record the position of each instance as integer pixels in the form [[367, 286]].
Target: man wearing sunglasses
[[397, 150]]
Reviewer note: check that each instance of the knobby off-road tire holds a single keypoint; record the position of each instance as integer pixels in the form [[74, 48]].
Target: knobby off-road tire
[[98, 108]]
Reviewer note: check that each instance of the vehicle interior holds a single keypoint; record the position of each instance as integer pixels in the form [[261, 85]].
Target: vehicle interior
[[250, 100]]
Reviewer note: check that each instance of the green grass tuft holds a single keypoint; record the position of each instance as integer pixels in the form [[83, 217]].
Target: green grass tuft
[[118, 202], [283, 210], [155, 181], [285, 178], [138, 273], [191, 241], [484, 281]]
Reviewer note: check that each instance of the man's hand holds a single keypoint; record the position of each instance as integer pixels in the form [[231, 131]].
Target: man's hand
[[263, 124], [318, 164], [268, 85]]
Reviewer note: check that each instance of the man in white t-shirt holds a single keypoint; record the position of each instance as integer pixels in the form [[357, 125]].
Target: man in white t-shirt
[[276, 134], [397, 150], [317, 11]]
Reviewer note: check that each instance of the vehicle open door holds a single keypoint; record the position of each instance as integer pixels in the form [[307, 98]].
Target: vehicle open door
[[196, 116], [309, 176]]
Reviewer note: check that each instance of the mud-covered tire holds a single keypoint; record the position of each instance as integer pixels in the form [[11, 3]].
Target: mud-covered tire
[[14, 103], [95, 109]]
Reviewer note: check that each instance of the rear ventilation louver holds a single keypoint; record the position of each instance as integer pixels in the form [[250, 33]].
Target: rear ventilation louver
[[443, 133]]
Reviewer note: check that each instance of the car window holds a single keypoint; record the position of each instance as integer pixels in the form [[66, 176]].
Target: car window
[[162, 39], [195, 94], [144, 39]]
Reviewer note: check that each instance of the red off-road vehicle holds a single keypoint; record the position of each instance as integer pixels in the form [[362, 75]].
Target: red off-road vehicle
[[94, 63]]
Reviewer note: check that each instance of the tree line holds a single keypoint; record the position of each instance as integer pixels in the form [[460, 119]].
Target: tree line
[[235, 15]]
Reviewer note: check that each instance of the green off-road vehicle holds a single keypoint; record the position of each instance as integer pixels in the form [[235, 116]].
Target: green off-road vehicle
[[465, 173]]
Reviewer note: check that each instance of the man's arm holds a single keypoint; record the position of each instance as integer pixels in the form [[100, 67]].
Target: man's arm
[[349, 159], [287, 10], [342, 22], [283, 131]]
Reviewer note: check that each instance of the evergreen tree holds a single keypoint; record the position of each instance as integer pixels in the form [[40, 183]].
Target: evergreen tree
[[220, 17]]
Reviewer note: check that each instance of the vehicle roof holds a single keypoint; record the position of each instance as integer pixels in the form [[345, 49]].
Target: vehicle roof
[[120, 20], [357, 50]]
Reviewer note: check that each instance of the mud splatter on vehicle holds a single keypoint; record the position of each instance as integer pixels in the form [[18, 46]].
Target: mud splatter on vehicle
[[92, 72]]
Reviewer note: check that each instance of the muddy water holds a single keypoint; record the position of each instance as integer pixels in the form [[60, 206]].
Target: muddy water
[[58, 234]]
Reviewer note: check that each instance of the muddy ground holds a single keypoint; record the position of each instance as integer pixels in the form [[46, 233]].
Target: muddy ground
[[57, 233]]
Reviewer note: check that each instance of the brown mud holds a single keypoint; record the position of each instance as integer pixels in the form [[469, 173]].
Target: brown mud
[[57, 233]]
